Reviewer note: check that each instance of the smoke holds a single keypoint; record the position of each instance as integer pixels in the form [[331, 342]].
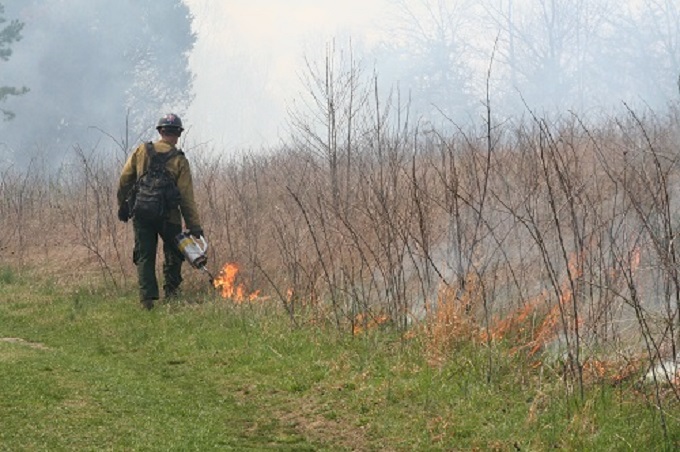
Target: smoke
[[99, 74], [249, 59], [546, 57]]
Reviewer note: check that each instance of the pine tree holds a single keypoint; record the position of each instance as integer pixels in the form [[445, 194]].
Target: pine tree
[[9, 34]]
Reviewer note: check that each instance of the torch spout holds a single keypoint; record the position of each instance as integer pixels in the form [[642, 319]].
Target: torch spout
[[212, 278]]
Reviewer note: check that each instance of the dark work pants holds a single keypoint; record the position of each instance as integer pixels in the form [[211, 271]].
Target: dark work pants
[[144, 257]]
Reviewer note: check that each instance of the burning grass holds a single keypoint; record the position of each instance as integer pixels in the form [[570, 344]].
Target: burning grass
[[528, 332], [225, 283], [455, 321]]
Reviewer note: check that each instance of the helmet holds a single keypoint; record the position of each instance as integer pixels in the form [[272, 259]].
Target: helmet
[[170, 120]]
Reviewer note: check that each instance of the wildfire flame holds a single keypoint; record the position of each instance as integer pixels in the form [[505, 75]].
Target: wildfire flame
[[363, 322], [225, 282], [548, 329]]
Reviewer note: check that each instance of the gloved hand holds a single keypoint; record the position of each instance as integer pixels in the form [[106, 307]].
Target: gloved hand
[[196, 232], [124, 212]]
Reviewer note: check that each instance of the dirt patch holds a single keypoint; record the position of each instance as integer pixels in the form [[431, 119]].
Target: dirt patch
[[344, 433], [24, 342]]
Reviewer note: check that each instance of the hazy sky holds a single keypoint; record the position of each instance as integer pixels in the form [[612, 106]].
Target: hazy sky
[[248, 56]]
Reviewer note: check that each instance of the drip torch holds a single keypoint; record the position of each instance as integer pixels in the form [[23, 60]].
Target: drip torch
[[194, 251]]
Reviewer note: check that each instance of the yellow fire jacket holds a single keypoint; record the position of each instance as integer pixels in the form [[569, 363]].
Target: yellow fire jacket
[[178, 166]]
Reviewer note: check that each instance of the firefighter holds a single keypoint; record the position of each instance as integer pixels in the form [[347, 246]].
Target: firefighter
[[167, 225]]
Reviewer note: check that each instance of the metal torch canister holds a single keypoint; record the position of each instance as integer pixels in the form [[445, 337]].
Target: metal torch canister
[[193, 249]]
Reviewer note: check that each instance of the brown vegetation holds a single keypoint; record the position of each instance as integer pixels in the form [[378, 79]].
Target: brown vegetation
[[556, 235]]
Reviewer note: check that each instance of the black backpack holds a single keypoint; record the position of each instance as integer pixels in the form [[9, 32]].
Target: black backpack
[[155, 193]]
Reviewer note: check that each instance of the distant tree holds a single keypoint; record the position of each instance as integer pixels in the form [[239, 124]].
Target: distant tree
[[9, 34], [428, 52], [549, 49], [97, 68], [649, 31]]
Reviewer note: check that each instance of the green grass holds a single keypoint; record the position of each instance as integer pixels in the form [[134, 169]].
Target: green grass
[[81, 369], [6, 275]]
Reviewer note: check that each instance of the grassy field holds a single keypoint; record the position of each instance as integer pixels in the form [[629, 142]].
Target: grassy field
[[83, 369]]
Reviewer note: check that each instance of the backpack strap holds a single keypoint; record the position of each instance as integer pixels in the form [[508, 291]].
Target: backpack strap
[[150, 150], [162, 159], [171, 153]]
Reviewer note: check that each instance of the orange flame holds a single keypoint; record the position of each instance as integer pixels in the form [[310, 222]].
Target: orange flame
[[225, 283], [364, 322], [547, 330]]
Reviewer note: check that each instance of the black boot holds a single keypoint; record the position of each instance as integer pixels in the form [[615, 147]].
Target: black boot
[[171, 293]]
